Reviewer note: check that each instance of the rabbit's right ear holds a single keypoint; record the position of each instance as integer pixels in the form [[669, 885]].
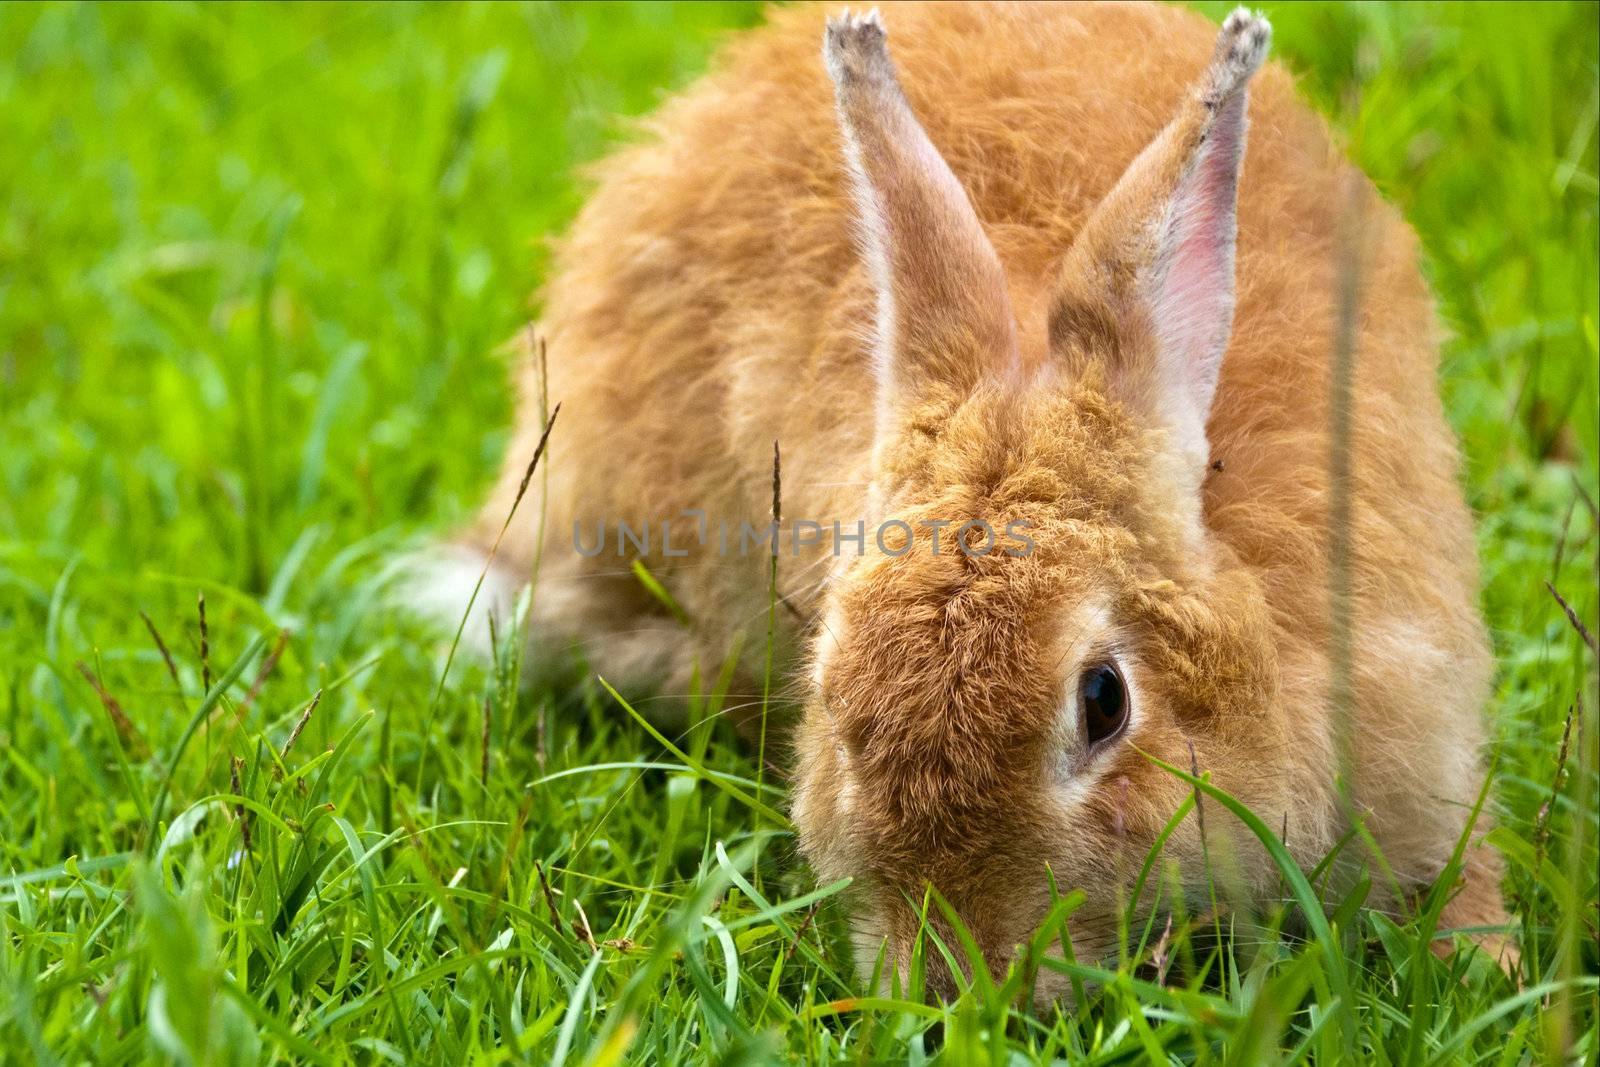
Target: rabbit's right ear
[[1147, 286], [944, 319]]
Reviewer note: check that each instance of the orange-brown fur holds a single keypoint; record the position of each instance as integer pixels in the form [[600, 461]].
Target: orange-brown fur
[[710, 299]]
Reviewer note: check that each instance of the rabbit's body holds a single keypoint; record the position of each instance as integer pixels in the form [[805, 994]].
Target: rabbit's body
[[711, 299]]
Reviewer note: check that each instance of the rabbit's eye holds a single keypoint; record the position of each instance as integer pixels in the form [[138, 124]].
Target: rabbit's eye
[[1104, 700]]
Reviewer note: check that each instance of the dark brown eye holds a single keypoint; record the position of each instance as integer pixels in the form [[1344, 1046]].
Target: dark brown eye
[[1104, 700]]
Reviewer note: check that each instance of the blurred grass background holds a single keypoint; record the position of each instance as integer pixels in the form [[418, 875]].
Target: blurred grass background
[[256, 266]]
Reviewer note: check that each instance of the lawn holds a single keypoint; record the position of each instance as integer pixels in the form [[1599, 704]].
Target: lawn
[[257, 265]]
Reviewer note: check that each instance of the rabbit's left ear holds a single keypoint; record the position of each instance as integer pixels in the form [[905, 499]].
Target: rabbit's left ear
[[1147, 285]]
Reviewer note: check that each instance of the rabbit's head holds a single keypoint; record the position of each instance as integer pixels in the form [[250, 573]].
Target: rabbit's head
[[1040, 614]]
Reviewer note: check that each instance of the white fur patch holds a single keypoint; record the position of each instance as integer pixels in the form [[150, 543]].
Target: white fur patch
[[440, 586]]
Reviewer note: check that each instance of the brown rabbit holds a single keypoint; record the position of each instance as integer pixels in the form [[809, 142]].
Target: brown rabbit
[[1056, 456]]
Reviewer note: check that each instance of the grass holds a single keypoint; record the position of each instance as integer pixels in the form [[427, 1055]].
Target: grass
[[255, 267]]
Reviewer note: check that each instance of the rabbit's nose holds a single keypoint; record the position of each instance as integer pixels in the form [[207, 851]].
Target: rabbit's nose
[[939, 984]]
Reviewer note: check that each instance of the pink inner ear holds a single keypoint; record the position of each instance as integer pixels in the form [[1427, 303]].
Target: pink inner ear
[[1192, 291]]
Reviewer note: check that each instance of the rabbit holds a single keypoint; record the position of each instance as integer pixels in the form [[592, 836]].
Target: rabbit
[[1025, 282]]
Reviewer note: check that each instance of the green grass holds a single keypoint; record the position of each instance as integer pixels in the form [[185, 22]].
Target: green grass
[[255, 266]]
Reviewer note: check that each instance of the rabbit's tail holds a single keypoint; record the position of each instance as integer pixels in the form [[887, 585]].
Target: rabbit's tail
[[448, 582]]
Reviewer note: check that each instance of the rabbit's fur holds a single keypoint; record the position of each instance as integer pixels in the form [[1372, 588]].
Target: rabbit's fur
[[785, 259]]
